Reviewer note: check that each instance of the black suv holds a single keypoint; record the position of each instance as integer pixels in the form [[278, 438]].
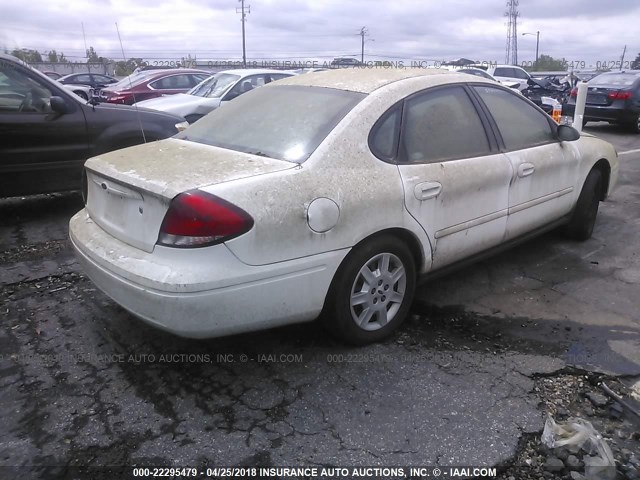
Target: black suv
[[47, 132]]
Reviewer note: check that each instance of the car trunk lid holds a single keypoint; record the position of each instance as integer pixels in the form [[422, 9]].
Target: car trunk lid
[[129, 190], [599, 95]]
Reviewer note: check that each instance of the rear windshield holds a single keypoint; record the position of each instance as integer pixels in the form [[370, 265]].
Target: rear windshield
[[614, 79], [285, 122]]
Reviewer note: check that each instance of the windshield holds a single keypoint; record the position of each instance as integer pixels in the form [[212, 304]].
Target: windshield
[[286, 122], [215, 86], [617, 79], [132, 80]]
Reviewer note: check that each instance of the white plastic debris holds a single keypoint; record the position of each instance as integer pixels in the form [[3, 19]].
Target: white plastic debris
[[578, 434]]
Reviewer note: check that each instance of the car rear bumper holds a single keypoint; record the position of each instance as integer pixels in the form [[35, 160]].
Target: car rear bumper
[[206, 292], [613, 114]]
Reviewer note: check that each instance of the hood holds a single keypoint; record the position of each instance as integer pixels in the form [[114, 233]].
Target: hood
[[145, 111], [169, 167], [179, 104]]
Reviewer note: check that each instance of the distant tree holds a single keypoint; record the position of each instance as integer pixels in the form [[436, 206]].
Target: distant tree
[[548, 63], [27, 55], [53, 56], [126, 68], [62, 58], [635, 65], [92, 56]]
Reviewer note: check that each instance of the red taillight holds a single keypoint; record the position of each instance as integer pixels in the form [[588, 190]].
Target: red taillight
[[620, 95], [574, 92], [199, 219]]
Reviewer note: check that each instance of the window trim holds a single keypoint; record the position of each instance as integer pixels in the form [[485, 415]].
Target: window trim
[[502, 146], [401, 155]]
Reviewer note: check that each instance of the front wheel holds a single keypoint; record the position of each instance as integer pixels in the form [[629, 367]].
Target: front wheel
[[82, 95], [580, 227], [372, 291]]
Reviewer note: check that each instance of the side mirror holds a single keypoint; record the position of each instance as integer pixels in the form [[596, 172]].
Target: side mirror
[[59, 105], [567, 133]]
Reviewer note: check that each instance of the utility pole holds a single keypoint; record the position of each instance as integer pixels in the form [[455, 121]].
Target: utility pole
[[363, 33], [243, 11], [622, 59], [86, 50], [511, 57]]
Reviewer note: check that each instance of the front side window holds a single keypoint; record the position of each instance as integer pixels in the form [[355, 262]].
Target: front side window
[[21, 93], [85, 79], [441, 125], [521, 124], [257, 123]]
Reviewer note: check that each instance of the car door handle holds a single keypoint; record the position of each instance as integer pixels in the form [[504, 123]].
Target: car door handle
[[427, 190], [526, 169]]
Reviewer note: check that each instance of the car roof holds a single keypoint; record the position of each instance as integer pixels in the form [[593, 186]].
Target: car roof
[[366, 80], [252, 71], [163, 73]]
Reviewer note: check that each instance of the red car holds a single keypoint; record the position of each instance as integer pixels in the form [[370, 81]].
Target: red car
[[151, 84]]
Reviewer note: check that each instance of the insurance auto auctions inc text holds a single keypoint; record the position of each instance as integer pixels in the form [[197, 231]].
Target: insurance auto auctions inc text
[[355, 472]]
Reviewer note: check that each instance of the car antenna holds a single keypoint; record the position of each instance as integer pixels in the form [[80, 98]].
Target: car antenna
[[124, 58]]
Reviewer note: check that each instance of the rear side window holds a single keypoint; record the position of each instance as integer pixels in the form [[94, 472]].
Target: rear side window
[[384, 135], [503, 72], [172, 82], [521, 125], [517, 73], [442, 125]]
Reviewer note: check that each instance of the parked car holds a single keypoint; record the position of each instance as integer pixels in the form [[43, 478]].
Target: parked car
[[83, 91], [52, 75], [310, 196], [613, 97], [213, 92], [47, 132], [345, 62], [151, 84], [93, 80], [507, 73], [478, 72]]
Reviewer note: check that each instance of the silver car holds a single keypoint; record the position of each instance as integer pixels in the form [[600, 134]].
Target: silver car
[[212, 92]]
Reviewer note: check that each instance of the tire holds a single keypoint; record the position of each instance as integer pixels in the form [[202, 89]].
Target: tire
[[580, 227], [81, 94], [380, 299], [635, 126]]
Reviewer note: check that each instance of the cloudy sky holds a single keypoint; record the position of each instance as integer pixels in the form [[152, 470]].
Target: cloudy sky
[[579, 30]]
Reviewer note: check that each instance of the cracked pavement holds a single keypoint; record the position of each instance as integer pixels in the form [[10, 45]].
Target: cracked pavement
[[85, 383]]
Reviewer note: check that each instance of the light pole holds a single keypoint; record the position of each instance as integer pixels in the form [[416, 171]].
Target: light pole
[[537, 34], [363, 33]]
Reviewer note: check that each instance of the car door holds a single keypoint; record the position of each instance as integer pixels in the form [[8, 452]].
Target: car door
[[40, 150], [545, 170], [456, 182]]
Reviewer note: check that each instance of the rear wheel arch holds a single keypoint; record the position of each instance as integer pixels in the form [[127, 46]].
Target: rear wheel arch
[[404, 236]]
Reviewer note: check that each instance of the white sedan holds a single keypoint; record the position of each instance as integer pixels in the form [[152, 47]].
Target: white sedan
[[213, 92], [328, 195]]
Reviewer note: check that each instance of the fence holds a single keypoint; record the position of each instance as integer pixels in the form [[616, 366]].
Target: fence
[[67, 68]]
